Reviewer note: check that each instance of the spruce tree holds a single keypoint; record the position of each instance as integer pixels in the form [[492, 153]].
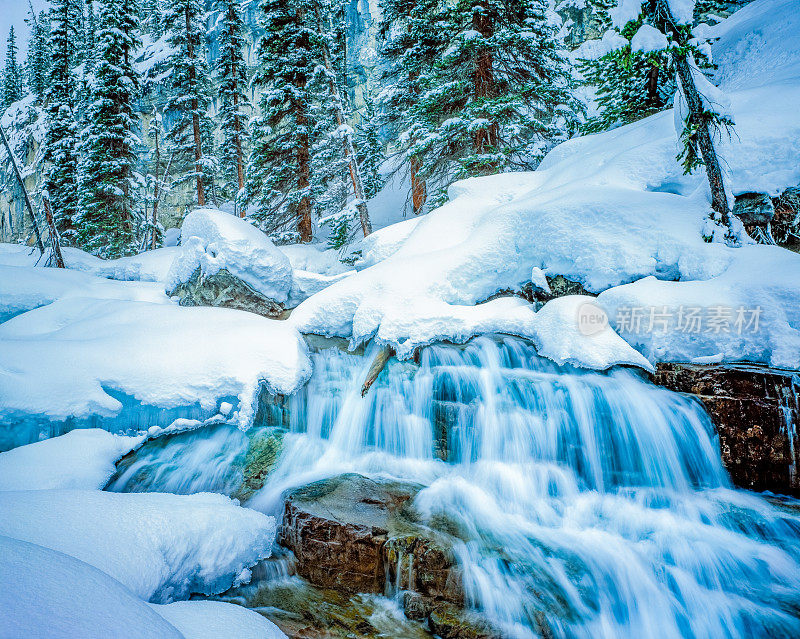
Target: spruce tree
[[60, 153], [292, 90], [191, 135], [38, 62], [232, 116], [89, 36], [631, 84], [412, 43], [370, 148], [107, 223], [12, 77], [152, 18]]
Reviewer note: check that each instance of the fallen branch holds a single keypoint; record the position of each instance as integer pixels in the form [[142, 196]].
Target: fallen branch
[[383, 356]]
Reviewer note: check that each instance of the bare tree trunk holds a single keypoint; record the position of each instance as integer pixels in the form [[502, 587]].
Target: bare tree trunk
[[304, 226], [198, 148], [55, 244], [349, 149]]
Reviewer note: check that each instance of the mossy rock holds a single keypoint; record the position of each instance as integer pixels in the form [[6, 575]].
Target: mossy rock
[[262, 455]]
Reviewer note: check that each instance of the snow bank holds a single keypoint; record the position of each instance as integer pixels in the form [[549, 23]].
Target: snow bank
[[46, 594], [212, 240], [217, 620], [603, 210], [148, 266], [67, 359], [24, 288], [161, 546], [80, 459], [749, 312], [314, 258]]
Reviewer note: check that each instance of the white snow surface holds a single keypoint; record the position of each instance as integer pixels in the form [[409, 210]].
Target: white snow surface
[[596, 49], [648, 39], [148, 266], [161, 546], [604, 210], [23, 288], [45, 594], [217, 620], [212, 240], [82, 458], [59, 360]]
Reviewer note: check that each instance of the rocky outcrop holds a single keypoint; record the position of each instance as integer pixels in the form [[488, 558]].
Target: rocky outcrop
[[226, 290], [337, 529], [754, 209], [756, 413]]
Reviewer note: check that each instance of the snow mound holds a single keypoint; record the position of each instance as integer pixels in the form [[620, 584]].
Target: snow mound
[[46, 594], [212, 240], [602, 210], [68, 359], [217, 620], [161, 546], [80, 459], [148, 266], [314, 258], [23, 288]]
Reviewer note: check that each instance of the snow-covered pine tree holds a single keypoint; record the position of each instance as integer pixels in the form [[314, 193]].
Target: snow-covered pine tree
[[60, 153], [38, 62], [500, 96], [369, 148], [232, 74], [633, 80], [191, 134], [292, 89], [12, 75], [152, 18], [89, 35], [109, 183], [412, 43]]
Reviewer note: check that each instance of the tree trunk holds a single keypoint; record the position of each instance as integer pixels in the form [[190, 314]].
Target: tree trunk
[[484, 78], [304, 226], [719, 201], [652, 87], [198, 149], [418, 188], [355, 173], [237, 125], [154, 219]]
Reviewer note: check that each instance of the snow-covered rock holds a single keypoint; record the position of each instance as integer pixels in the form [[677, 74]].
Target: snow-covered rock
[[46, 594], [217, 620], [212, 241], [80, 459], [70, 358], [161, 546]]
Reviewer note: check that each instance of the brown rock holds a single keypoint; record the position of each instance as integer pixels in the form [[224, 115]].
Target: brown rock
[[755, 411]]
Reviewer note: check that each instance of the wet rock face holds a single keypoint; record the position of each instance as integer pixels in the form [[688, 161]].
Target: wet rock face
[[226, 290], [754, 209], [756, 413], [337, 529]]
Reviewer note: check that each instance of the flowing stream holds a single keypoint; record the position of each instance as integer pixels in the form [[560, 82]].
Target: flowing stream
[[585, 504]]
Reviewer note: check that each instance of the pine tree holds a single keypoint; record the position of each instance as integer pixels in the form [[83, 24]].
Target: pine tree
[[60, 152], [232, 116], [12, 77], [412, 44], [279, 167], [191, 135], [153, 18], [630, 84], [498, 97], [370, 149], [38, 63], [107, 223], [89, 36]]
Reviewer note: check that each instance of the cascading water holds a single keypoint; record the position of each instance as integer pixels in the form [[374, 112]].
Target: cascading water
[[583, 504], [590, 504]]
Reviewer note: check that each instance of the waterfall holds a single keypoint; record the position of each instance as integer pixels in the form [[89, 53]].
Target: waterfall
[[583, 503]]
